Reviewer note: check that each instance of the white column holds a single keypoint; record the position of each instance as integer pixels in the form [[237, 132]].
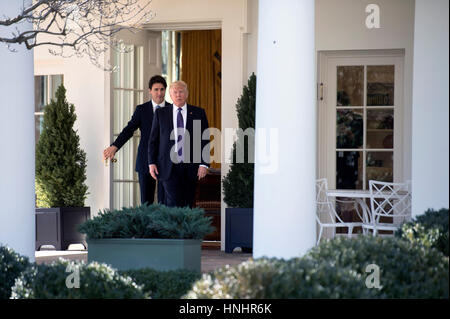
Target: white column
[[17, 223], [284, 220], [430, 109]]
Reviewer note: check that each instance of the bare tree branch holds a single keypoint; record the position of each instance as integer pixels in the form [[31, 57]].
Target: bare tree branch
[[75, 27]]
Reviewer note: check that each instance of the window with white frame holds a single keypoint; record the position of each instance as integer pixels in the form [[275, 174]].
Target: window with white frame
[[45, 87]]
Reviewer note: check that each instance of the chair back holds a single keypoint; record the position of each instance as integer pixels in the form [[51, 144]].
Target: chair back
[[390, 200], [324, 207]]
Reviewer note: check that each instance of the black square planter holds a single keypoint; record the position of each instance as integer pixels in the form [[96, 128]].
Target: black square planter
[[238, 229], [58, 226]]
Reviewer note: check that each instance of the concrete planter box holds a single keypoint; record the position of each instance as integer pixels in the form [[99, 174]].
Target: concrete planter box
[[159, 254], [57, 226], [238, 229]]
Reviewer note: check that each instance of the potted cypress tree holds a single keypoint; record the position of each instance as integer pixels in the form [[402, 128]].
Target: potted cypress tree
[[238, 183], [60, 177]]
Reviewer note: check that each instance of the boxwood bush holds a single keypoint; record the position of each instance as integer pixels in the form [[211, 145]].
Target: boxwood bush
[[11, 266], [270, 278], [171, 284], [96, 281], [407, 270], [429, 229], [149, 221]]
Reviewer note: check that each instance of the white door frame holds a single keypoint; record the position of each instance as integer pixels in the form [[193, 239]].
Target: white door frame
[[150, 41], [326, 134]]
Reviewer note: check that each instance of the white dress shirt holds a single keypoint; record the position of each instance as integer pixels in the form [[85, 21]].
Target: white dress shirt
[[175, 116], [175, 124], [156, 104]]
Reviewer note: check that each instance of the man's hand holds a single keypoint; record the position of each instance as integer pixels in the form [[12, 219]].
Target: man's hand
[[153, 171], [109, 152], [202, 171]]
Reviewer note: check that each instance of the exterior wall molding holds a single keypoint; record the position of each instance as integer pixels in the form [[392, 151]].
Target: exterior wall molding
[[184, 25]]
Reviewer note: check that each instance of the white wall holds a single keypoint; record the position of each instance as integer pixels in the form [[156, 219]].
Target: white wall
[[85, 86], [430, 140], [340, 25]]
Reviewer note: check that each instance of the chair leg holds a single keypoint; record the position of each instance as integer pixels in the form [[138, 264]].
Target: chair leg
[[350, 231]]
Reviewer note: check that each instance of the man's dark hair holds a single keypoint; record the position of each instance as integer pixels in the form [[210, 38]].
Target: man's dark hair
[[157, 79]]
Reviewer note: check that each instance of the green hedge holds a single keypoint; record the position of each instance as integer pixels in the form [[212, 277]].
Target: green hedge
[[96, 281], [407, 270], [336, 269], [11, 266], [164, 284], [276, 278], [154, 221], [429, 229]]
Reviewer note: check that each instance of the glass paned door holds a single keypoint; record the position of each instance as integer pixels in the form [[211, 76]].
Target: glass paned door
[[364, 125], [360, 120], [128, 91], [136, 59]]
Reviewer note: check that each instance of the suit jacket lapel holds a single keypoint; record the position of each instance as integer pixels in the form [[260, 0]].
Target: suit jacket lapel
[[189, 120], [170, 116], [150, 106]]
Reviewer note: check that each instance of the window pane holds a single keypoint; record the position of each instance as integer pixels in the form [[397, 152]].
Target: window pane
[[350, 84], [165, 45], [380, 128], [40, 92], [127, 68], [349, 170], [379, 167], [349, 129], [38, 120], [126, 194], [124, 167], [123, 109], [138, 67], [118, 68], [55, 82], [380, 85], [138, 98]]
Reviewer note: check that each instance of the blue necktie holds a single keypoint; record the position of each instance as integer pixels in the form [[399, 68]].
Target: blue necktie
[[180, 133]]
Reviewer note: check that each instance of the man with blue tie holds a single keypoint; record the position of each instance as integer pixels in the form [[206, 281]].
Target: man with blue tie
[[174, 152], [143, 119]]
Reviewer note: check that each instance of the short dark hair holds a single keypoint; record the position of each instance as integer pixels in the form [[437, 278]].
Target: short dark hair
[[157, 79]]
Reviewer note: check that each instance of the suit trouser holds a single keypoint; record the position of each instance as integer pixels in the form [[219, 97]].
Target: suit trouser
[[180, 186], [147, 187]]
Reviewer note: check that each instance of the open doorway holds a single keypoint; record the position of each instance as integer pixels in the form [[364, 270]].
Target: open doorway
[[193, 56]]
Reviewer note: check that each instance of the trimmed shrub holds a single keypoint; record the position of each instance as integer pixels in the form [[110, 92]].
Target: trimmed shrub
[[238, 183], [164, 284], [277, 278], [154, 221], [96, 281], [407, 270], [429, 229], [60, 162], [11, 266]]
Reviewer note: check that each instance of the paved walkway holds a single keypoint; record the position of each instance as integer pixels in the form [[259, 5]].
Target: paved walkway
[[211, 259]]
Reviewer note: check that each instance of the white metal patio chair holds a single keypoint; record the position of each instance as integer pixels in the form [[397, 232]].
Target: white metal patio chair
[[388, 201], [326, 215]]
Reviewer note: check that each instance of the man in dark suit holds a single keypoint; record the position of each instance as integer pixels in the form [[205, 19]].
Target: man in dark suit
[[143, 119], [176, 161]]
